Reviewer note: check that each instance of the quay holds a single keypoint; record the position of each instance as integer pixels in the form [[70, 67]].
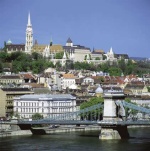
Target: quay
[[47, 130]]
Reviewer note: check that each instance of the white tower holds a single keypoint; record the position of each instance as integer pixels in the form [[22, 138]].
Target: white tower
[[29, 36]]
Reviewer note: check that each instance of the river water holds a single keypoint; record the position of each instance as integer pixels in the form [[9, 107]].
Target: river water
[[77, 141]]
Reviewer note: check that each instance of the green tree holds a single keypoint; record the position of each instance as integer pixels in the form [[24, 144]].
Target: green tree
[[114, 71], [3, 56], [148, 89], [1, 67], [36, 56], [59, 55], [37, 116], [122, 65], [95, 113]]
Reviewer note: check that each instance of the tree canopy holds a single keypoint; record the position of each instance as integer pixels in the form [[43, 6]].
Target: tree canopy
[[20, 61], [95, 114]]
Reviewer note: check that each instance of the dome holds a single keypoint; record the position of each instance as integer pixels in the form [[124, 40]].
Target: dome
[[9, 42], [99, 89]]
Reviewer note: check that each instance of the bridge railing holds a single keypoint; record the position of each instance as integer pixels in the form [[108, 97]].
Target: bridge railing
[[75, 115], [136, 107]]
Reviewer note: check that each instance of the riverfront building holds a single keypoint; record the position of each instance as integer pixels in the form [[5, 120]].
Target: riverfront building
[[6, 99], [48, 105]]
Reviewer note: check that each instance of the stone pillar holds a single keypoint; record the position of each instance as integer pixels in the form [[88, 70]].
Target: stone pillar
[[110, 107], [110, 114], [114, 132]]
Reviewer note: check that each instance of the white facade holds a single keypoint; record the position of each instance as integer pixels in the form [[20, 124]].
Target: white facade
[[48, 105], [67, 80], [29, 36], [67, 83], [79, 54], [88, 80]]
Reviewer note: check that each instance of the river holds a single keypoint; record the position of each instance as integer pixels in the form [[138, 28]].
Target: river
[[77, 141]]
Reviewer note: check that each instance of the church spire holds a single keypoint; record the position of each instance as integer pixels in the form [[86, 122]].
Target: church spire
[[29, 20], [29, 36]]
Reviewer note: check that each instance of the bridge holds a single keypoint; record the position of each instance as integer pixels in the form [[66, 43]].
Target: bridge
[[113, 124]]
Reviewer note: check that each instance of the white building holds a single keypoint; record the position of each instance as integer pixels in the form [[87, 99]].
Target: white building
[[88, 80], [48, 105], [67, 80], [76, 52]]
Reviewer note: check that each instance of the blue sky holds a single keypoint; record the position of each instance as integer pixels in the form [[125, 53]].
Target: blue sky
[[123, 25]]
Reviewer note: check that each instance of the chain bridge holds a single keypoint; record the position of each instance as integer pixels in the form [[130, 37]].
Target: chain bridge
[[91, 116], [111, 115]]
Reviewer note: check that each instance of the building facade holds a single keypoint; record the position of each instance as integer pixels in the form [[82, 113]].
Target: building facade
[[48, 105], [76, 52], [6, 99], [11, 79]]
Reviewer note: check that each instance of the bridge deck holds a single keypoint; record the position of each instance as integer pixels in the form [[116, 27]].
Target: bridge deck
[[79, 122]]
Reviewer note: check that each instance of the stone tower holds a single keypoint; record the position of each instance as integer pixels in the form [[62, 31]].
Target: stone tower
[[29, 36]]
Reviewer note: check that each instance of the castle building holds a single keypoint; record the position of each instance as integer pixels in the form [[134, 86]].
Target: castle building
[[10, 47], [76, 52]]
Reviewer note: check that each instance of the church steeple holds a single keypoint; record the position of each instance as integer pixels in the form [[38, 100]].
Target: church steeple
[[29, 20], [29, 36]]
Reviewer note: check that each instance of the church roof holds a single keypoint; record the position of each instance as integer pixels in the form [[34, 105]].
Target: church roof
[[69, 48], [19, 47], [69, 40], [98, 52], [68, 76], [56, 48]]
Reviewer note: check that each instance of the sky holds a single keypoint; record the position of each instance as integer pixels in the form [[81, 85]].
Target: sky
[[123, 25]]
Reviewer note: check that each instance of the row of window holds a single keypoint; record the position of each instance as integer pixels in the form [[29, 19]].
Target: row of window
[[10, 81], [28, 110], [34, 110], [37, 104], [20, 49], [28, 104]]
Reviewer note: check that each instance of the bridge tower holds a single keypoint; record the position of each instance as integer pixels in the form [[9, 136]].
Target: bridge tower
[[112, 113]]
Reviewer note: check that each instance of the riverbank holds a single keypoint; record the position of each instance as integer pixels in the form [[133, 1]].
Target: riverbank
[[48, 130]]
